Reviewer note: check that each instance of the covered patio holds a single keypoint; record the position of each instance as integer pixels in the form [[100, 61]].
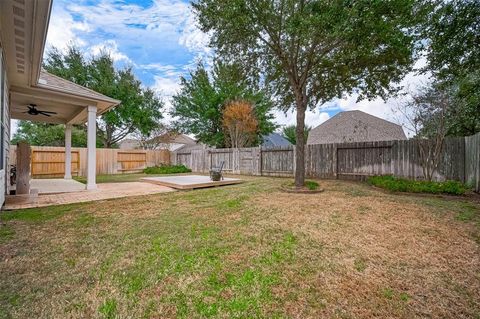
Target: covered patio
[[58, 101], [31, 93]]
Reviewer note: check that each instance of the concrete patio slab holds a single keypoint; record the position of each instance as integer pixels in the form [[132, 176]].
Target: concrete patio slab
[[55, 186], [186, 182], [103, 192]]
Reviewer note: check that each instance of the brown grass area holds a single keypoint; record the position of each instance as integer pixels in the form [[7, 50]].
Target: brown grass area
[[401, 246], [247, 250]]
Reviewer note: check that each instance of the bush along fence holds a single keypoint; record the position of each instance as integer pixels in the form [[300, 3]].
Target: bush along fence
[[50, 161], [458, 161]]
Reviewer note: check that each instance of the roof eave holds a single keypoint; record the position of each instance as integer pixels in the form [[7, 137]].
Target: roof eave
[[106, 99]]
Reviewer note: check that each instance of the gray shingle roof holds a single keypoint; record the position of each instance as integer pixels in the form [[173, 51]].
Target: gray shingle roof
[[274, 139], [355, 126]]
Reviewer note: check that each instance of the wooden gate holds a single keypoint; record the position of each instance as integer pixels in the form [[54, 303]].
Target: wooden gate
[[222, 155], [51, 163]]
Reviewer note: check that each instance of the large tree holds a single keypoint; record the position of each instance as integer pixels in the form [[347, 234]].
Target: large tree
[[453, 55], [43, 134], [198, 107], [140, 109], [313, 51]]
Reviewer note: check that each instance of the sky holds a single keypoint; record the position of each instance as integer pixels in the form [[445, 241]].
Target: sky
[[160, 40]]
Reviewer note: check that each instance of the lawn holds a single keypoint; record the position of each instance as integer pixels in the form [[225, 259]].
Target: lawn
[[246, 250], [118, 178]]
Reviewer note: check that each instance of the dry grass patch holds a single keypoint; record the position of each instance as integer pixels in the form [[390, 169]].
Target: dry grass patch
[[247, 250]]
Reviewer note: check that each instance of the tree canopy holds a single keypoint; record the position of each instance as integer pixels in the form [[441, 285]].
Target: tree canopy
[[43, 134], [240, 124], [198, 107], [453, 55], [289, 132], [313, 51], [140, 108]]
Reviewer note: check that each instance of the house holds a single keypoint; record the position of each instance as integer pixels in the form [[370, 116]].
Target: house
[[270, 140], [30, 93], [167, 141], [274, 140], [355, 126]]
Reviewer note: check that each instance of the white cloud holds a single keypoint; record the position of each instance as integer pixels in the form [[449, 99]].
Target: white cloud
[[194, 39], [166, 86], [111, 47], [312, 118], [63, 30]]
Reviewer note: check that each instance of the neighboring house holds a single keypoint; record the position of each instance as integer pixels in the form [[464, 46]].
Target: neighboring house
[[30, 93], [275, 139], [270, 140], [129, 144], [166, 141], [191, 147], [355, 126]]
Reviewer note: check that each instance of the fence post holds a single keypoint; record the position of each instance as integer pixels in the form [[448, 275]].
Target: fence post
[[258, 160], [24, 154], [236, 161], [335, 161], [294, 160]]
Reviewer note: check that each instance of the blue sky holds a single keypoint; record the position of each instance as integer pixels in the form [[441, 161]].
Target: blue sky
[[159, 38]]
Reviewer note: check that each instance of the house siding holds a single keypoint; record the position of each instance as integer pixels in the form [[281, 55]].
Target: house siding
[[4, 129]]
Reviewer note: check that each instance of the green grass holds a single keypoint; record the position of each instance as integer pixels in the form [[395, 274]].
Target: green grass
[[6, 233], [135, 177], [115, 178], [311, 185], [243, 251], [167, 169], [404, 185]]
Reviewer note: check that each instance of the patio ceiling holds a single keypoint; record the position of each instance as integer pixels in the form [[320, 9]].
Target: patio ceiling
[[23, 26], [55, 94]]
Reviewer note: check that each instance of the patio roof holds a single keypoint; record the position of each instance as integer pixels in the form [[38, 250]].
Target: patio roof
[[23, 26], [54, 94]]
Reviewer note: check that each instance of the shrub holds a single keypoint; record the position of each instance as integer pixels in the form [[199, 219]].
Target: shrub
[[311, 185], [404, 185], [167, 169]]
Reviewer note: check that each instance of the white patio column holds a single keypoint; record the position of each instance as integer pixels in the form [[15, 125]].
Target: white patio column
[[92, 147], [68, 151]]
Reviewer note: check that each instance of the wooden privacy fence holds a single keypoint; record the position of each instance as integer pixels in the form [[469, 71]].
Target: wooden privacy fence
[[460, 160], [50, 161]]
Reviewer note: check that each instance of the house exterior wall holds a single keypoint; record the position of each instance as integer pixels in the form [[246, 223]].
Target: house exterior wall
[[4, 129]]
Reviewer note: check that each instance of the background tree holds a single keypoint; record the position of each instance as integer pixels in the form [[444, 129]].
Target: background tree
[[313, 51], [240, 124], [140, 108], [198, 107], [43, 134], [453, 56], [289, 132], [160, 136], [425, 114]]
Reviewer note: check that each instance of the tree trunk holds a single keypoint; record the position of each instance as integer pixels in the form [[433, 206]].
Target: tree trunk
[[300, 146]]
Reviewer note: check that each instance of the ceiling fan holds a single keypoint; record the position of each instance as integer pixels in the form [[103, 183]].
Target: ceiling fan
[[32, 110]]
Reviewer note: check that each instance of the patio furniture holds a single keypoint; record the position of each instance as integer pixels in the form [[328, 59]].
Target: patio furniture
[[216, 172]]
